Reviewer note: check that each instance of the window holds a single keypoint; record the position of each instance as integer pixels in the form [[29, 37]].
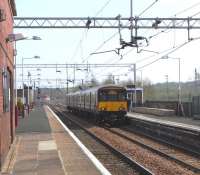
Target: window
[[112, 95], [6, 91]]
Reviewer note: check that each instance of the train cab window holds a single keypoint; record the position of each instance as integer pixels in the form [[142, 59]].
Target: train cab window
[[122, 96], [112, 95]]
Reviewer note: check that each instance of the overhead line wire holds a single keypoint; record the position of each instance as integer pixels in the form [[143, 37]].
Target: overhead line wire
[[180, 46], [149, 37], [151, 5], [172, 50], [178, 13], [184, 10], [86, 32], [168, 30], [80, 44], [139, 15], [170, 23], [106, 4], [121, 29]]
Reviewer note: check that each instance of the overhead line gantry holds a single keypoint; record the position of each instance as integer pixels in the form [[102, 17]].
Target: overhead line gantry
[[31, 66], [106, 22]]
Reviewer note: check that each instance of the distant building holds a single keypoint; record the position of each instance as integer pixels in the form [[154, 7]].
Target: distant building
[[28, 95], [7, 117], [132, 94], [45, 99]]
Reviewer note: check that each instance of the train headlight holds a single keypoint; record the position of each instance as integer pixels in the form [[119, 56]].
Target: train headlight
[[121, 108], [103, 109]]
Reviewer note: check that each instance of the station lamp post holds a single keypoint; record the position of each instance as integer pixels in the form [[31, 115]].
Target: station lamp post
[[167, 82], [86, 70], [179, 79], [133, 68], [14, 38], [30, 80], [118, 77], [35, 57]]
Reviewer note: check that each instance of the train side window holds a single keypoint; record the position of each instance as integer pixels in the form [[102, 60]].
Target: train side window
[[95, 98], [102, 96], [129, 96], [112, 95], [84, 98], [122, 96], [90, 99]]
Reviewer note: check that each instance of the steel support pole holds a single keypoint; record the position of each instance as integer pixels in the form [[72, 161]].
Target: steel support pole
[[15, 83], [23, 82], [131, 20], [15, 72], [167, 87], [179, 86], [142, 85], [135, 93], [28, 100], [67, 78], [74, 75]]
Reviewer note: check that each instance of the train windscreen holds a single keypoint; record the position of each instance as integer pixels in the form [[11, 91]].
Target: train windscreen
[[112, 95]]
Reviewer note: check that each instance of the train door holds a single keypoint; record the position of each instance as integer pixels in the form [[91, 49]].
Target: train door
[[84, 97], [90, 101], [129, 98]]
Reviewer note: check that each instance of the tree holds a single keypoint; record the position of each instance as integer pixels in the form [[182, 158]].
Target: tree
[[94, 81], [109, 79], [149, 91]]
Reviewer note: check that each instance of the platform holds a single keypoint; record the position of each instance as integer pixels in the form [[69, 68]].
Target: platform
[[154, 111], [43, 147], [176, 121]]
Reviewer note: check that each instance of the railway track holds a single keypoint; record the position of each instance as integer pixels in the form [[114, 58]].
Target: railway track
[[180, 138], [162, 152], [180, 157], [115, 161]]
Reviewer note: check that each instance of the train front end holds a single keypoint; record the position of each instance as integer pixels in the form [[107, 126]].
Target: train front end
[[112, 102]]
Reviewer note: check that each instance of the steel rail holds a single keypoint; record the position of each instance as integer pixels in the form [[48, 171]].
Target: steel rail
[[141, 169], [180, 162], [161, 153], [181, 147]]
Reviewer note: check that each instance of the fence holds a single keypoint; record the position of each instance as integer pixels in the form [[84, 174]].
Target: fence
[[196, 105]]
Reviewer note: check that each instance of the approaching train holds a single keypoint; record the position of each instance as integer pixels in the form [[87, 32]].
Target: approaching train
[[106, 103]]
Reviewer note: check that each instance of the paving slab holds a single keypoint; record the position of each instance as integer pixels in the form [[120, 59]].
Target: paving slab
[[43, 147]]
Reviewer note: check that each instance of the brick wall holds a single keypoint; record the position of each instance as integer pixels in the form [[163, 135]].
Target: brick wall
[[6, 62]]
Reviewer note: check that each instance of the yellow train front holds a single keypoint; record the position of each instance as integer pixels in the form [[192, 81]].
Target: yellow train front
[[106, 103], [112, 102]]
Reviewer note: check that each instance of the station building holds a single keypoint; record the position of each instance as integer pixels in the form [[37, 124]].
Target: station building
[[7, 115]]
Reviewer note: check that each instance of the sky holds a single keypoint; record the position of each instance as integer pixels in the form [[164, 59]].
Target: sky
[[75, 45]]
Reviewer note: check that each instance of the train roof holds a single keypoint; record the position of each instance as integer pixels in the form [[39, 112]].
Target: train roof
[[96, 88]]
